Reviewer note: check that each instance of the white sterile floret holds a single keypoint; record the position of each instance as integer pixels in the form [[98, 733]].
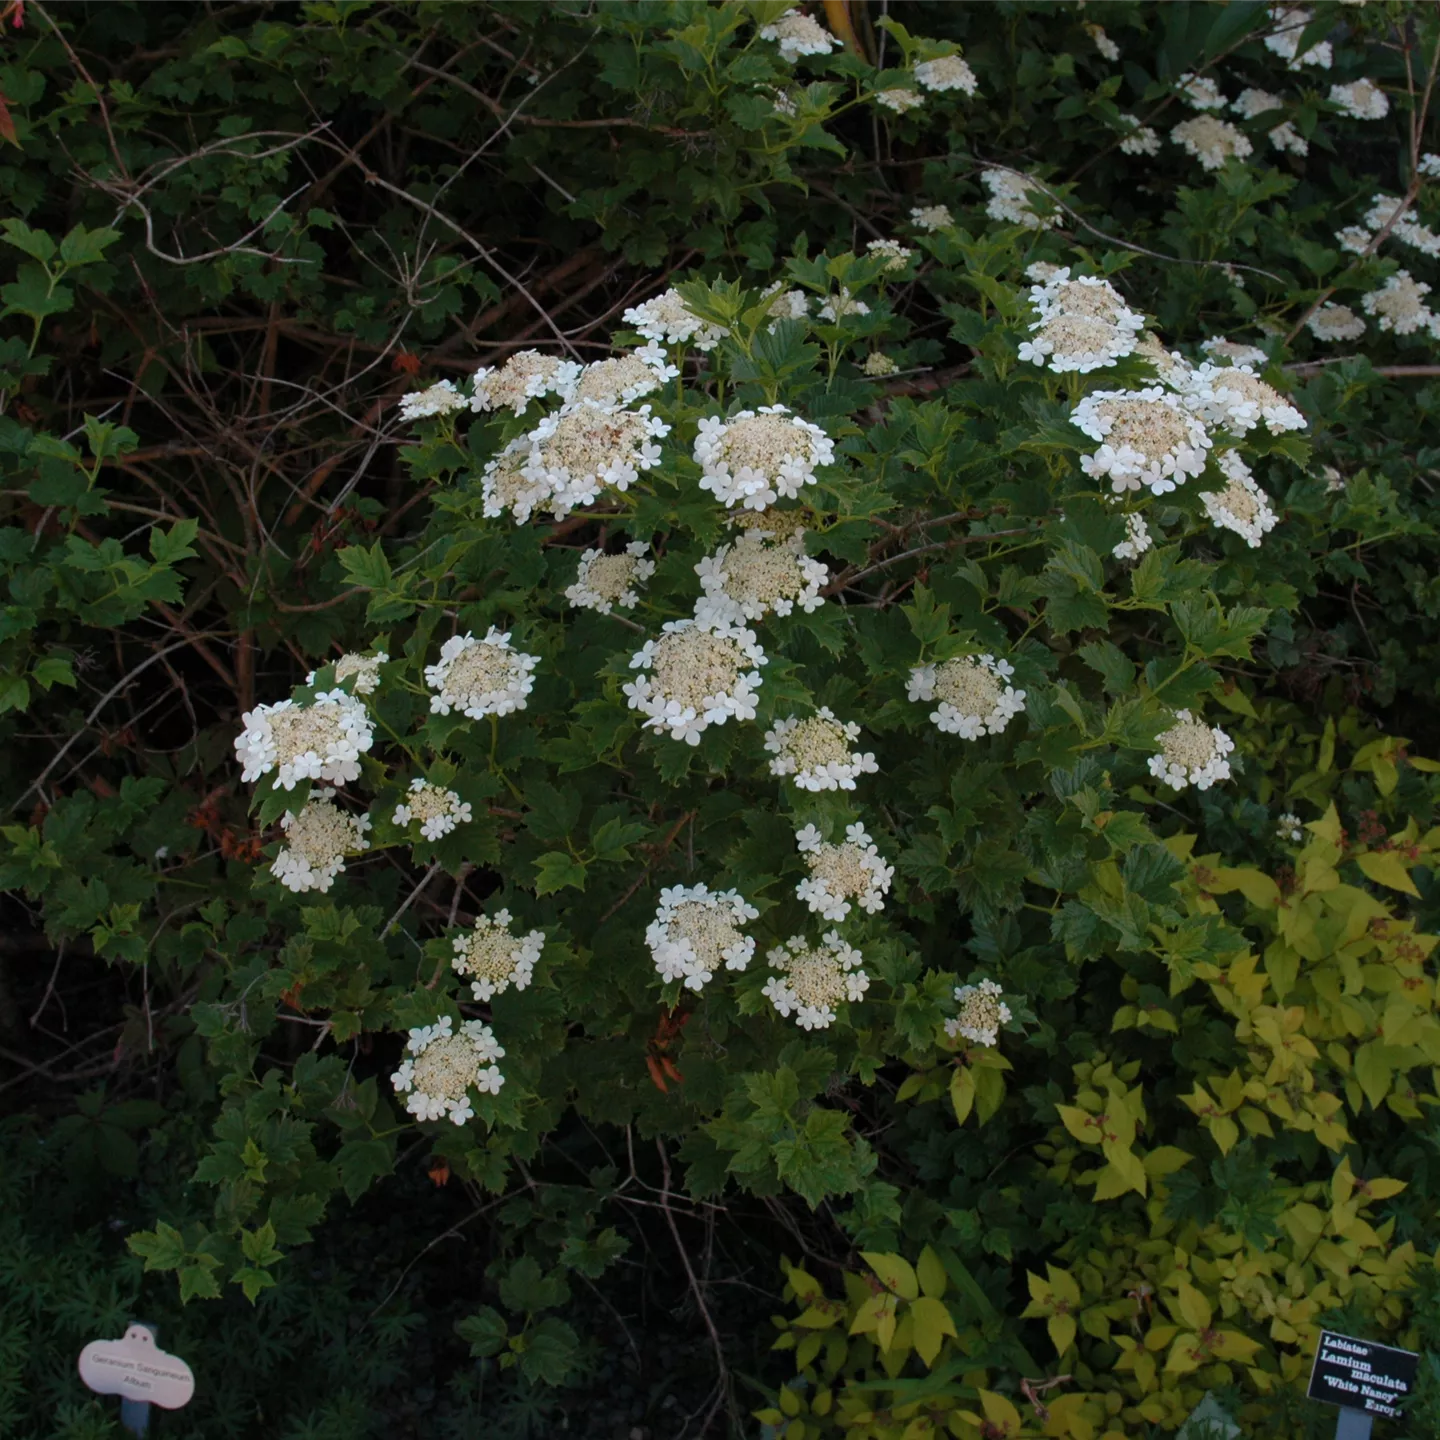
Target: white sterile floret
[[1084, 324], [506, 484], [1170, 365], [1148, 437], [932, 218], [878, 365], [1362, 99], [895, 255], [815, 752], [783, 101], [1429, 165], [1042, 271], [814, 979], [1399, 305], [438, 811], [1241, 506], [946, 72], [1335, 322], [480, 677], [1192, 754], [1211, 141], [1103, 43], [495, 957], [1235, 397], [1139, 139], [696, 931], [442, 398], [982, 1013], [1289, 828], [1286, 137], [624, 378], [695, 676], [317, 840], [840, 304], [1201, 92], [584, 446], [973, 694], [527, 375], [1011, 199], [441, 1066], [605, 581], [841, 873], [320, 741], [1290, 22], [756, 456], [1235, 352], [667, 319], [754, 575], [900, 99], [1252, 102], [799, 34], [363, 671], [1137, 539], [787, 304], [1355, 239]]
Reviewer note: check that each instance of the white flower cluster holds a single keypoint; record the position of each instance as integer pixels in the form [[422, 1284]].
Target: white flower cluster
[[1335, 322], [1241, 506], [899, 99], [1399, 305], [320, 741], [527, 375], [973, 692], [755, 575], [495, 957], [480, 677], [1361, 99], [1083, 324], [982, 1013], [1137, 539], [695, 676], [1138, 139], [931, 218], [1192, 753], [442, 398], [1429, 165], [1236, 398], [438, 811], [1148, 437], [1103, 43], [442, 1066], [668, 320], [317, 842], [1211, 141], [816, 752], [813, 979], [878, 365], [582, 447], [945, 72], [1012, 199], [1290, 22], [841, 304], [756, 456], [1234, 351], [841, 873], [798, 34], [787, 304], [895, 255], [1201, 92], [605, 581], [1289, 828], [696, 931], [362, 670], [624, 378]]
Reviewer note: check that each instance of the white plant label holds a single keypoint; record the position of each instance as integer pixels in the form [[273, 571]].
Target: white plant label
[[138, 1369]]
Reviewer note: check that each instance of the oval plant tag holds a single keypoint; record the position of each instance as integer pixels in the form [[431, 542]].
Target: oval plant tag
[[138, 1369]]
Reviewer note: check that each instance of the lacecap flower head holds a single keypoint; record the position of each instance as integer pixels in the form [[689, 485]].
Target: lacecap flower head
[[494, 957], [527, 375], [1192, 753], [323, 740], [816, 752], [317, 842], [1148, 437], [982, 1013], [442, 1065], [813, 979], [755, 457], [438, 811], [754, 575], [696, 931], [695, 675], [973, 693], [480, 677], [604, 582], [839, 874]]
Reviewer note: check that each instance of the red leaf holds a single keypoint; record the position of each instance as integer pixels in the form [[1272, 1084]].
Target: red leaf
[[659, 1080], [7, 122]]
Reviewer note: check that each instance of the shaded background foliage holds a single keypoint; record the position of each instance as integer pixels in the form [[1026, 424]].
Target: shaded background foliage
[[267, 220]]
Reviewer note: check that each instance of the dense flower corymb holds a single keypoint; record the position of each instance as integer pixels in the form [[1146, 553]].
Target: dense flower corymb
[[1192, 753], [982, 1013], [1290, 22], [507, 485], [815, 752], [756, 456], [1289, 828], [1012, 198], [932, 217], [494, 957], [814, 979], [799, 34], [317, 841], [1361, 99], [1241, 506], [948, 72], [441, 1066], [438, 811], [624, 378], [696, 931], [1212, 142], [527, 375], [892, 252], [1147, 437], [839, 874], [1336, 322], [697, 676], [1083, 324], [320, 741], [1137, 539], [667, 319], [585, 446], [900, 99], [442, 398], [605, 581], [1235, 397], [363, 671], [754, 575], [1399, 304], [973, 692], [480, 677]]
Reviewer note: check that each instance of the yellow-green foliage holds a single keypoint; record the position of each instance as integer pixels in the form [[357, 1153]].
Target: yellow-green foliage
[[1334, 1020]]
